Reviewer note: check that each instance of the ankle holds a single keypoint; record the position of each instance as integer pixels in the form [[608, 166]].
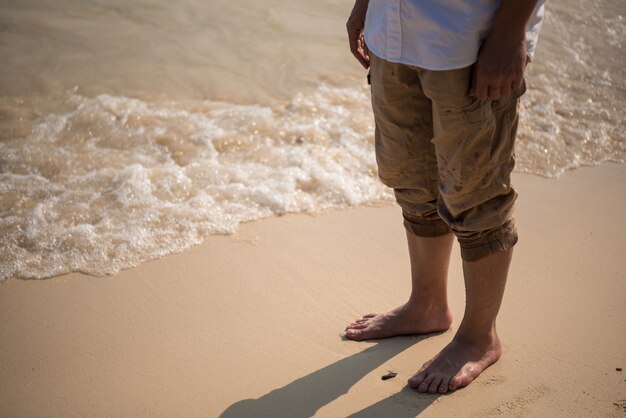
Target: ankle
[[427, 304], [439, 315], [426, 308], [479, 336]]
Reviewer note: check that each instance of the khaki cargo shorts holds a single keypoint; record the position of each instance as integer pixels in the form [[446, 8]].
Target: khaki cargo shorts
[[448, 156]]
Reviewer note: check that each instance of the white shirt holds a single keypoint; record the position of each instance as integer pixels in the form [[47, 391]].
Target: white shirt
[[436, 34]]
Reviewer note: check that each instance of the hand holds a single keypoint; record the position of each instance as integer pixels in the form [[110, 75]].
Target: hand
[[355, 26], [499, 69]]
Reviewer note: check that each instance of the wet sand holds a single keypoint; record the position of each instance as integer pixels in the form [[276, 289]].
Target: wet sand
[[251, 324]]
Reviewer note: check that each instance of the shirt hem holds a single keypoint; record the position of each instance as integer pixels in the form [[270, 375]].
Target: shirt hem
[[400, 60]]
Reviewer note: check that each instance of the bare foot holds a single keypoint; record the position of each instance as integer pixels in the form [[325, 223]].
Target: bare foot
[[457, 364], [401, 321]]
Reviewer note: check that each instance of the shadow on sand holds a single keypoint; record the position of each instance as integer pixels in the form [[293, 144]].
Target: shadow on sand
[[305, 396]]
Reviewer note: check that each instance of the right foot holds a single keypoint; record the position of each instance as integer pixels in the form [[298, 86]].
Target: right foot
[[401, 321]]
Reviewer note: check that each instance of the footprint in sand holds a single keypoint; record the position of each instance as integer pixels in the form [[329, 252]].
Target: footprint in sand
[[621, 405], [516, 407], [491, 380]]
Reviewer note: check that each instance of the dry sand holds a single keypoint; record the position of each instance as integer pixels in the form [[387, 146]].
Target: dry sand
[[250, 325]]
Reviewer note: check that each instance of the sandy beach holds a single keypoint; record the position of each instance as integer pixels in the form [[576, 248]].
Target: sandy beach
[[210, 169], [251, 324]]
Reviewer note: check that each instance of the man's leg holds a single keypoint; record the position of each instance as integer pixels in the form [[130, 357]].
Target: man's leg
[[474, 145], [427, 308], [407, 163], [476, 345]]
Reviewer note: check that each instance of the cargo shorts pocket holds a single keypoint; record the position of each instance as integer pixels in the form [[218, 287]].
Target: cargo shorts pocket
[[477, 112], [468, 110], [499, 105]]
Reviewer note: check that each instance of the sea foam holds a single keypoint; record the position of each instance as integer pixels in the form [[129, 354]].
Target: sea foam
[[116, 181]]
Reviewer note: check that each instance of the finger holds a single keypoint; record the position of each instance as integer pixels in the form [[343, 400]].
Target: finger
[[506, 90], [480, 84], [365, 59], [481, 89], [353, 38], [516, 84], [494, 91], [364, 49]]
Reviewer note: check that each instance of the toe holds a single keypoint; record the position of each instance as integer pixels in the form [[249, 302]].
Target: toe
[[434, 385], [423, 387], [455, 383], [369, 315], [356, 326], [417, 379], [443, 386], [354, 334]]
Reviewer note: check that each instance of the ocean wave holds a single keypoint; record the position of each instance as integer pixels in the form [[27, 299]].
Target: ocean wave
[[116, 181]]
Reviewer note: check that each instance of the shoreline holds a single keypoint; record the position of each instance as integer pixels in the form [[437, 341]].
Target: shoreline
[[250, 324]]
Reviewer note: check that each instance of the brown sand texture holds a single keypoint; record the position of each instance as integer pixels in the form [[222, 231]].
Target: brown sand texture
[[251, 325]]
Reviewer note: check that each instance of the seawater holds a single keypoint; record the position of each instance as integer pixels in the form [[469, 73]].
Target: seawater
[[129, 131]]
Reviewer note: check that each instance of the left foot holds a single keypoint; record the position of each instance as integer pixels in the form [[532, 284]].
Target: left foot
[[410, 318], [457, 364]]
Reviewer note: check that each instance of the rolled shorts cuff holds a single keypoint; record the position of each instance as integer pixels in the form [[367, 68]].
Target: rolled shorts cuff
[[505, 238], [426, 228]]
